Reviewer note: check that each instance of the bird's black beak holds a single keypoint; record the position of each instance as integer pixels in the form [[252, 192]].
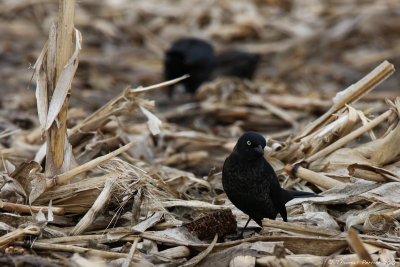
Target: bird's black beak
[[259, 150]]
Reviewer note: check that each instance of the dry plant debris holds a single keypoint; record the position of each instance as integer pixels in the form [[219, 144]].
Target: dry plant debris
[[132, 178]]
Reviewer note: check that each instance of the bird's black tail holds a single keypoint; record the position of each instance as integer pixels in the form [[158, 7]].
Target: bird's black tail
[[291, 194], [300, 194]]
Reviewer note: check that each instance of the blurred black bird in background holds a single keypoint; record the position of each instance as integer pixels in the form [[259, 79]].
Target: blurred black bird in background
[[251, 184], [236, 63], [197, 58], [189, 56]]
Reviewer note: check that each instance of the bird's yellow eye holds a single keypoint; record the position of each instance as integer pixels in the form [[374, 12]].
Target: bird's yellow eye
[[248, 143]]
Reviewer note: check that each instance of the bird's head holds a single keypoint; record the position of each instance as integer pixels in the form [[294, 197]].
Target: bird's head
[[250, 146]]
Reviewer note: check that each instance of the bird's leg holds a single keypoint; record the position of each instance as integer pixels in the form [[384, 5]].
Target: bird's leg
[[240, 236]]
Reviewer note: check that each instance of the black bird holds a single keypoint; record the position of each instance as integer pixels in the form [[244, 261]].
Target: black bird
[[251, 183], [189, 56], [237, 63]]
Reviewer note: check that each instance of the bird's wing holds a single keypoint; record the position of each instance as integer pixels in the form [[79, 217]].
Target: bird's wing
[[275, 191]]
